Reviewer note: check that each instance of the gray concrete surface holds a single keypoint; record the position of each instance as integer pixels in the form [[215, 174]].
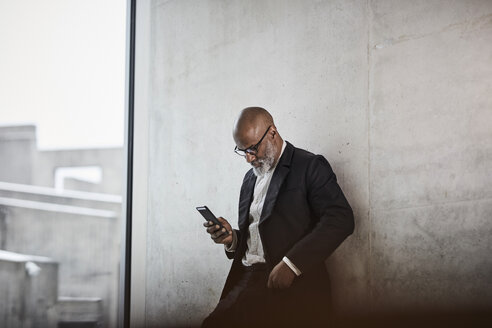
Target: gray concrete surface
[[86, 310], [17, 151], [395, 94], [85, 241], [79, 225], [430, 157], [23, 163], [29, 289], [109, 159], [65, 197]]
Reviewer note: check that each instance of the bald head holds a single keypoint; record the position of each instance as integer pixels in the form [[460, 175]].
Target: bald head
[[253, 116], [252, 121], [255, 131]]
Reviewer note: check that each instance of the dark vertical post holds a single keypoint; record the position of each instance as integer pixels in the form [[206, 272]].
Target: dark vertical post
[[125, 267]]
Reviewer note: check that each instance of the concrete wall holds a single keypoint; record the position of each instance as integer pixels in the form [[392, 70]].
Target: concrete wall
[[431, 153], [85, 241], [23, 163], [71, 225], [17, 151], [64, 197], [29, 289], [109, 159], [395, 94]]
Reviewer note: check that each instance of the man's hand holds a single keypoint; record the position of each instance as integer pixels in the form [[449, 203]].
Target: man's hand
[[281, 276], [220, 236]]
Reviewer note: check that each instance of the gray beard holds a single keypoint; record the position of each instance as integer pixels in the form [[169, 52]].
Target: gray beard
[[266, 163]]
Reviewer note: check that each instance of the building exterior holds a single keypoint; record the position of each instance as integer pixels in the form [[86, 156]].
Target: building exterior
[[59, 210]]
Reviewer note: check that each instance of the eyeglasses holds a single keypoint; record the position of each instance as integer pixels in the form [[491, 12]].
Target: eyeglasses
[[253, 150]]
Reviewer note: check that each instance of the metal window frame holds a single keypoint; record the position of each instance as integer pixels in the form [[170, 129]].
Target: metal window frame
[[126, 232]]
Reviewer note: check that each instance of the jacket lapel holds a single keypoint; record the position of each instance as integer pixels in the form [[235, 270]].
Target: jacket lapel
[[281, 172], [245, 199]]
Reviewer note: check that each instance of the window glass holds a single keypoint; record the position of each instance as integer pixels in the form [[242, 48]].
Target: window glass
[[62, 96]]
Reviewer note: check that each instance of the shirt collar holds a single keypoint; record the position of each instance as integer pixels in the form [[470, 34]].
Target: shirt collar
[[284, 144]]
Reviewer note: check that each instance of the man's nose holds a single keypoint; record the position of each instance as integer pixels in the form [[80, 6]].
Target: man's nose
[[250, 157]]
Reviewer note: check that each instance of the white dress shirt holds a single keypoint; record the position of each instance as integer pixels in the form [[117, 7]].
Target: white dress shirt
[[254, 253]]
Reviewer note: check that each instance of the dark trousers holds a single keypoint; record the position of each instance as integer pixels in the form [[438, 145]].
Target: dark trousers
[[251, 304], [246, 305]]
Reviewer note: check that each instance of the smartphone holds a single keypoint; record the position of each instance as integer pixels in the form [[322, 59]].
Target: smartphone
[[208, 215]]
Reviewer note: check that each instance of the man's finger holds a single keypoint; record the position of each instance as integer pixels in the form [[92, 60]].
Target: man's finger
[[269, 284], [213, 229], [214, 237], [209, 224], [221, 239], [218, 234]]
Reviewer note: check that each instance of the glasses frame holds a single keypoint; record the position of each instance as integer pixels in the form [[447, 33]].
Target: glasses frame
[[253, 150]]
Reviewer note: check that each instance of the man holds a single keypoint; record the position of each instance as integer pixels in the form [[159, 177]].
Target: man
[[292, 216]]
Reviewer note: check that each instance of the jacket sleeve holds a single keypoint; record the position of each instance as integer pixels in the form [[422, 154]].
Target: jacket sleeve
[[230, 255], [335, 217]]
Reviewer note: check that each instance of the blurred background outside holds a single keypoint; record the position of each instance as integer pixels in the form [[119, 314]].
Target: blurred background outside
[[62, 77]]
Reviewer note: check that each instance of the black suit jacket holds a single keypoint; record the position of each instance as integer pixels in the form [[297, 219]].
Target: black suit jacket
[[305, 217]]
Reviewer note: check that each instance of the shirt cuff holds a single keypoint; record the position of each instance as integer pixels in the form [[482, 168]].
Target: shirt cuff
[[233, 246], [292, 266]]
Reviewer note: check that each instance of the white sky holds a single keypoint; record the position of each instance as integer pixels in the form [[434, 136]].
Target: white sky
[[62, 67]]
